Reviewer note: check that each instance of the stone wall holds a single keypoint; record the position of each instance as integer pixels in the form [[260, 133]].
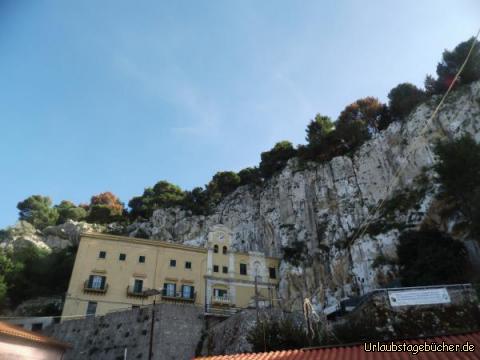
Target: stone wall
[[377, 319], [177, 331]]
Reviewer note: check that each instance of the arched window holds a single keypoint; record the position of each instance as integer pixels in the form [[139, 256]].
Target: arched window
[[215, 249], [224, 250]]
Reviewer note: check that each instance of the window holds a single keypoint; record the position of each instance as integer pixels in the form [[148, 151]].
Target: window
[[173, 263], [215, 249], [187, 292], [215, 268], [225, 269], [37, 326], [135, 307], [138, 286], [141, 259], [122, 257], [224, 250], [169, 289], [243, 269], [102, 254], [91, 308], [219, 293], [188, 265], [96, 282], [273, 273]]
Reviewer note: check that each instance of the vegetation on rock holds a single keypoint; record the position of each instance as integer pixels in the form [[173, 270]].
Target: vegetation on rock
[[279, 334], [458, 170], [38, 211], [430, 257], [450, 65], [28, 272], [403, 99]]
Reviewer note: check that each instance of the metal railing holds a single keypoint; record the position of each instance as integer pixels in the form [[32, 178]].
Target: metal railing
[[213, 310], [178, 296], [87, 287], [225, 299], [359, 301], [131, 291]]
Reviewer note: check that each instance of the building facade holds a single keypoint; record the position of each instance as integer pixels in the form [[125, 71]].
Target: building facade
[[113, 273]]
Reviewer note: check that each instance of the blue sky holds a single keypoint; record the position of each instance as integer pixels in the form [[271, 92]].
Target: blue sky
[[116, 95]]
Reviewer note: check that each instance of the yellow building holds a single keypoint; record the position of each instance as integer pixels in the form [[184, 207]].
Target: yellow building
[[117, 273]]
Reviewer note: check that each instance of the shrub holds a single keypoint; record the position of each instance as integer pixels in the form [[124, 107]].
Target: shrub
[[35, 272], [275, 159], [458, 170], [250, 175], [222, 184], [37, 210], [68, 210], [162, 195], [272, 335], [318, 129], [403, 99], [431, 258], [450, 65], [196, 201], [351, 135], [296, 253]]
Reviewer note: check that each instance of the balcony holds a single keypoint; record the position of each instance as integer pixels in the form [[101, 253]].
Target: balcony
[[221, 300], [143, 293], [88, 288], [177, 296]]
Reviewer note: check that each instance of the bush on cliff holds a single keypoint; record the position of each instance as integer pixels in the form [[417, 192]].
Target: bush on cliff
[[458, 170], [38, 211], [431, 258], [450, 64], [275, 159], [403, 98]]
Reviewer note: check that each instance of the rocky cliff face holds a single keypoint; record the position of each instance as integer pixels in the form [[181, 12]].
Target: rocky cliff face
[[324, 206], [320, 208]]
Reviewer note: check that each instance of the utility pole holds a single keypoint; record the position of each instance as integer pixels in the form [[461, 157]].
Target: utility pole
[[150, 351], [256, 294]]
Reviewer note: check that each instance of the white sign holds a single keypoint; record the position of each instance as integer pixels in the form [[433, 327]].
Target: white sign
[[419, 297]]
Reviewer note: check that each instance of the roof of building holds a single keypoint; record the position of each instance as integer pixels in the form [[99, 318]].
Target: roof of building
[[160, 243], [133, 240], [356, 351], [17, 332]]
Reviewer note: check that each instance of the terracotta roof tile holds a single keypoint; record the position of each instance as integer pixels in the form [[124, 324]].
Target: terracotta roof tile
[[356, 351], [18, 332]]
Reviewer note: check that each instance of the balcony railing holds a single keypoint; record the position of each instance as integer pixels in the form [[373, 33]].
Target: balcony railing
[[177, 296], [223, 311], [131, 291], [89, 288], [223, 300]]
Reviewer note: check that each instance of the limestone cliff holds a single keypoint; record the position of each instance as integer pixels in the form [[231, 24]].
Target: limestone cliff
[[323, 206]]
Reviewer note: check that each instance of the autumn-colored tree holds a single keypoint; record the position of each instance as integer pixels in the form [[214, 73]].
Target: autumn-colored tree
[[367, 111], [105, 207]]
